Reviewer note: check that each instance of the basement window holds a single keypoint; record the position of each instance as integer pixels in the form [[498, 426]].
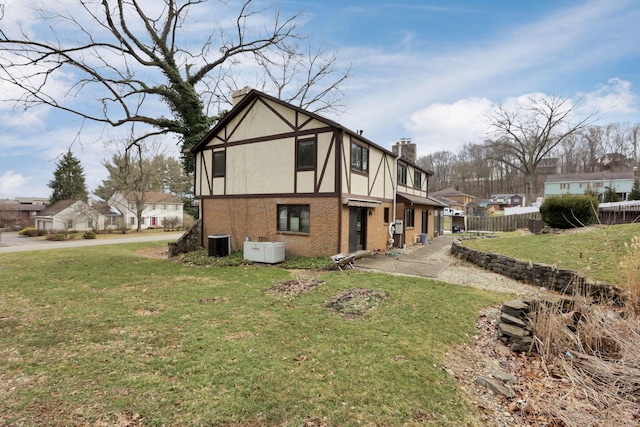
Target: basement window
[[294, 218]]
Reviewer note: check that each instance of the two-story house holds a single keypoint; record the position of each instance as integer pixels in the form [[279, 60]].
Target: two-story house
[[156, 208], [596, 182], [271, 171]]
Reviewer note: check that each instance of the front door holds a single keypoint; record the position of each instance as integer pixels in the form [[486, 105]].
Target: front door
[[357, 229], [425, 221]]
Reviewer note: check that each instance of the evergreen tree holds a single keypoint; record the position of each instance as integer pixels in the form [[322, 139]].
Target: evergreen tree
[[68, 180], [610, 195], [635, 191]]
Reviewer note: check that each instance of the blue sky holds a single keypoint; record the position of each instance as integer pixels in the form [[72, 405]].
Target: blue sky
[[422, 69]]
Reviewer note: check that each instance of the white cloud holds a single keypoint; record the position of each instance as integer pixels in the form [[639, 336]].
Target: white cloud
[[614, 97], [12, 184], [449, 126]]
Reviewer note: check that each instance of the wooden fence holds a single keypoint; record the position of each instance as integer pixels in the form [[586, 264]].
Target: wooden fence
[[501, 223], [619, 213]]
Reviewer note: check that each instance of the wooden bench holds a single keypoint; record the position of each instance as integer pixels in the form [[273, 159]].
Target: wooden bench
[[342, 260]]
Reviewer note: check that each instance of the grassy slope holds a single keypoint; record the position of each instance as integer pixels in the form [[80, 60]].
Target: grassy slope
[[596, 253], [103, 335]]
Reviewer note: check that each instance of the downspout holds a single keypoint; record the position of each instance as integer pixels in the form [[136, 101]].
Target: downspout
[[392, 226]]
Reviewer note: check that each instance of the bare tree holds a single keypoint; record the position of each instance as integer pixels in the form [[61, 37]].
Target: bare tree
[[526, 134], [132, 56], [591, 147], [441, 163]]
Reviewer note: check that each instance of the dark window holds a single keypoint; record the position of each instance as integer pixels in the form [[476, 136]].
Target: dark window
[[410, 217], [306, 154], [402, 174], [386, 215], [218, 163], [417, 179], [294, 218], [359, 158]]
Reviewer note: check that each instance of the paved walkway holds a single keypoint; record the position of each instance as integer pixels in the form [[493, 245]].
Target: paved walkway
[[415, 261], [12, 242]]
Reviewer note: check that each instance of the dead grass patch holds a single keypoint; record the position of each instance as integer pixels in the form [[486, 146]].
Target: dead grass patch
[[296, 286], [357, 302]]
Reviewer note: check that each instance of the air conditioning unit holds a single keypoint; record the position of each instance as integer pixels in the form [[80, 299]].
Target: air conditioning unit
[[265, 252], [219, 245]]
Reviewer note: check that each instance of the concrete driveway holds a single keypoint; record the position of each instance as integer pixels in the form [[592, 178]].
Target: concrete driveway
[[415, 261], [11, 241]]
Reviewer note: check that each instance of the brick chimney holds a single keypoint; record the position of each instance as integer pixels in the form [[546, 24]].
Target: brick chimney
[[239, 94], [407, 149]]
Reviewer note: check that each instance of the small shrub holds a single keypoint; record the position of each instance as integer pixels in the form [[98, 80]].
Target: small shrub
[[31, 232], [57, 237], [569, 211], [89, 235]]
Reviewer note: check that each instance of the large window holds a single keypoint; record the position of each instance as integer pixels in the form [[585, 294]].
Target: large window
[[295, 218], [306, 154], [218, 163], [417, 179], [402, 174], [359, 158]]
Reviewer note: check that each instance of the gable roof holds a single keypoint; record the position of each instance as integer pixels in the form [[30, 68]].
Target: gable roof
[[592, 176], [449, 192], [57, 207], [444, 201], [104, 209], [249, 98]]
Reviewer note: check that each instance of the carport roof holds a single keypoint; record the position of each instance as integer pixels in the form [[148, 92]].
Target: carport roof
[[419, 200]]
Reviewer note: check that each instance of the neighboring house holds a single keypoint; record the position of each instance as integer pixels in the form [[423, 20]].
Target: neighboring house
[[499, 202], [461, 200], [272, 171], [67, 215], [19, 212], [597, 182], [157, 208]]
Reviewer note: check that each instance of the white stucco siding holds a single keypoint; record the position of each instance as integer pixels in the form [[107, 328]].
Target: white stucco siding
[[326, 150], [203, 170], [378, 180], [312, 124], [257, 122], [305, 182], [261, 168]]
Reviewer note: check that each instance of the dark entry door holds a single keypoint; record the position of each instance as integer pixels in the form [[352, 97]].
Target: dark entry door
[[357, 229], [425, 220]]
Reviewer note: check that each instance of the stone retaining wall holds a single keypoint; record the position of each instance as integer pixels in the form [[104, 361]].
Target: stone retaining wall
[[189, 241], [558, 279]]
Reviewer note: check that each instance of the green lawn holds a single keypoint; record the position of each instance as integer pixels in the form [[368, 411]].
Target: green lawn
[[104, 336], [599, 252]]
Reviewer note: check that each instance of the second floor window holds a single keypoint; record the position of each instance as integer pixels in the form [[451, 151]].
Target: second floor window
[[306, 154], [218, 163], [417, 179], [402, 174], [359, 158]]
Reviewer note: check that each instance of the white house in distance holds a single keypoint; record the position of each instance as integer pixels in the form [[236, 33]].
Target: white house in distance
[[157, 208], [77, 215]]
